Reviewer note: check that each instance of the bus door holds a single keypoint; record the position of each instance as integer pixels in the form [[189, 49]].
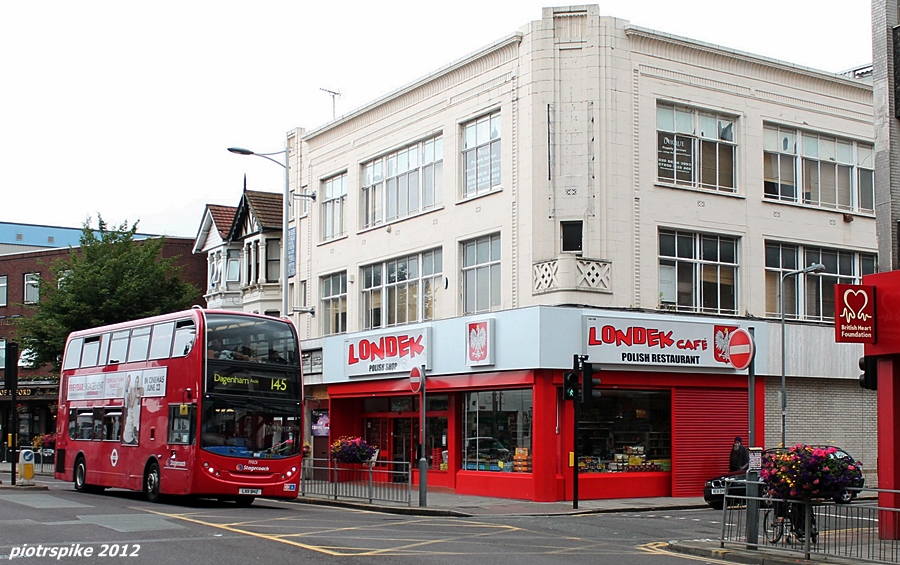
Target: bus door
[[177, 464]]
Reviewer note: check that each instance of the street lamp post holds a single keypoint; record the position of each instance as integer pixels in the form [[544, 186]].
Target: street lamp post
[[285, 208], [814, 268]]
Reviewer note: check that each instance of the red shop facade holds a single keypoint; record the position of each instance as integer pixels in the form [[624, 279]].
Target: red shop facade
[[496, 420]]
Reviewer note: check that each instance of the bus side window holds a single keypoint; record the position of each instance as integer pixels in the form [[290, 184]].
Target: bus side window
[[73, 426], [118, 347], [98, 424], [112, 424], [161, 341], [73, 354], [140, 343], [184, 338], [84, 423]]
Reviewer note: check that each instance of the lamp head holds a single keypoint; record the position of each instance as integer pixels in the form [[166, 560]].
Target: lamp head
[[241, 151], [815, 268]]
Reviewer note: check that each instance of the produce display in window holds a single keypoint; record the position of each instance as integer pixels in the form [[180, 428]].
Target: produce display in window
[[626, 431]]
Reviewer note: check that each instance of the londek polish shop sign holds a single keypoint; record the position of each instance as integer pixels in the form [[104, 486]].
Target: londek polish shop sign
[[394, 352], [657, 343]]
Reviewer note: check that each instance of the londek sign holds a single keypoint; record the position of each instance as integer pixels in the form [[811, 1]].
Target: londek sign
[[657, 343], [395, 352]]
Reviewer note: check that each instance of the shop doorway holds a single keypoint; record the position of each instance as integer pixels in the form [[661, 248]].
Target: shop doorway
[[396, 439]]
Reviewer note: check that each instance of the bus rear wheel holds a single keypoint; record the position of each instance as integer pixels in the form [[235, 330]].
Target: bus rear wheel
[[80, 475], [151, 483]]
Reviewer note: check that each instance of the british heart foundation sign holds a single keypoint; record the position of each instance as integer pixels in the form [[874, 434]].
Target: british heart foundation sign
[[854, 313]]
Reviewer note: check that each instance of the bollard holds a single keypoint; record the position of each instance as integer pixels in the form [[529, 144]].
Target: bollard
[[26, 468]]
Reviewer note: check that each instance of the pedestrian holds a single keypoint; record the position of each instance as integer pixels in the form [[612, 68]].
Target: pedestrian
[[740, 457]]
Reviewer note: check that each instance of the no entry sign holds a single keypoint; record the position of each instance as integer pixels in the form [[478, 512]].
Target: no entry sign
[[415, 380], [740, 349]]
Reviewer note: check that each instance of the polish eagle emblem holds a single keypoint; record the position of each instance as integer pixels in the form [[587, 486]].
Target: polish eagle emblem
[[721, 336], [478, 342]]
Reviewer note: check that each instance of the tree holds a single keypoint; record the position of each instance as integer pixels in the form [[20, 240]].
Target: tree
[[110, 278]]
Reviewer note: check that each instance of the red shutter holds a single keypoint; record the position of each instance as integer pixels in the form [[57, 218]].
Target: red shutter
[[705, 424]]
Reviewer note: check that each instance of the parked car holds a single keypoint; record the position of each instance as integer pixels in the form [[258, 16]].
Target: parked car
[[714, 489]]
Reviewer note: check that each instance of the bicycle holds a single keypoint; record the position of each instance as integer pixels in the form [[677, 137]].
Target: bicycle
[[776, 517]]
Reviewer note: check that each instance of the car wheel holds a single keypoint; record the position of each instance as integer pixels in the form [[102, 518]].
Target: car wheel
[[151, 483], [844, 497]]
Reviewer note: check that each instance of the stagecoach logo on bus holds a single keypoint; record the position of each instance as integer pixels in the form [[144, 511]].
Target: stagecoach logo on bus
[[112, 385], [254, 466], [659, 343], [384, 353]]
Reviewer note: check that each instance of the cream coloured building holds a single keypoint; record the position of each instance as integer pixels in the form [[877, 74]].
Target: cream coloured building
[[577, 178]]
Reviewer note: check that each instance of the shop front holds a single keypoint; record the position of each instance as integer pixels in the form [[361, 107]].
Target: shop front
[[661, 426], [35, 410]]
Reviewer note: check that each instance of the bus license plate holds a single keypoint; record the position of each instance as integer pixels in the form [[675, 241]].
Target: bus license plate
[[714, 491], [253, 491]]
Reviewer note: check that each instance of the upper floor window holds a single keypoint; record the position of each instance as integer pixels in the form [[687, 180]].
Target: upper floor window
[[695, 148], [334, 198], [402, 291], [214, 268], [481, 274], [2, 352], [233, 266], [3, 288], [334, 303], [698, 272], [481, 155], [402, 183], [833, 173], [32, 288], [273, 260], [810, 296]]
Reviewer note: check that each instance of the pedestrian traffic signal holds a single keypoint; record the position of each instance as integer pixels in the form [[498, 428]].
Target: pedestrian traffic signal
[[589, 383], [11, 369], [869, 366], [570, 385]]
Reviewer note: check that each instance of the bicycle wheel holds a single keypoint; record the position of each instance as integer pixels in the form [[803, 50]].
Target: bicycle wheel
[[773, 527]]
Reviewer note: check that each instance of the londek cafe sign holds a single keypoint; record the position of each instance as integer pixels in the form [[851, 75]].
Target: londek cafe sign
[[381, 354], [657, 343]]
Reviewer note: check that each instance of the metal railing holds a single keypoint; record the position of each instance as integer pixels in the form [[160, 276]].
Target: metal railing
[[385, 481], [860, 530]]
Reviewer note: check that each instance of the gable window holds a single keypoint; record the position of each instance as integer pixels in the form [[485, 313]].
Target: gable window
[[214, 268], [401, 291], [834, 173], [695, 148], [481, 274], [3, 289], [810, 296], [571, 234], [334, 303], [481, 155], [32, 288], [402, 183], [334, 191], [698, 272]]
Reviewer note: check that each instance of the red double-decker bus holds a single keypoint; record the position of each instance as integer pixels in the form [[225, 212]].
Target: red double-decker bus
[[201, 402]]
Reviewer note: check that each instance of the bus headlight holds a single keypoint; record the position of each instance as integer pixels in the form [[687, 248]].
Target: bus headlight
[[293, 469], [289, 473]]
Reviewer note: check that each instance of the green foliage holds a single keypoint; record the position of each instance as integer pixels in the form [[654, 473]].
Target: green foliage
[[111, 278]]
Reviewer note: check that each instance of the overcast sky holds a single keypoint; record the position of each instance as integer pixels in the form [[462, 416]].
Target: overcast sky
[[126, 108]]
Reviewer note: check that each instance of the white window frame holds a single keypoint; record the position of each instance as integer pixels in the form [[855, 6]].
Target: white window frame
[[411, 295], [273, 260], [810, 296], [2, 352], [481, 155], [233, 265], [334, 199], [708, 260], [691, 134], [481, 274], [32, 291], [402, 183], [811, 157], [334, 303], [4, 290]]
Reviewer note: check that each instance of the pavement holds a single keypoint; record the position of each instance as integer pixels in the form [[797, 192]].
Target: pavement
[[442, 502]]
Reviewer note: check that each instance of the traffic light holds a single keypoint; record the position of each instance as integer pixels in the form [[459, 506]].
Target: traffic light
[[570, 385], [11, 372], [869, 366], [589, 383]]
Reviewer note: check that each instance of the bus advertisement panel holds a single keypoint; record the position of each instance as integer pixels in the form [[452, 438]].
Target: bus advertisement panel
[[202, 402]]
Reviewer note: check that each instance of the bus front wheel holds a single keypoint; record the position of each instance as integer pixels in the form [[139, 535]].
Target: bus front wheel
[[151, 482]]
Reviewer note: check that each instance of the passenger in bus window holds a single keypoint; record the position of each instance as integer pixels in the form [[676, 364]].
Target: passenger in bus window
[[214, 351]]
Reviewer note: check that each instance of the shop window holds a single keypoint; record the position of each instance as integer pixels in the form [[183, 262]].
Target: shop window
[[497, 433], [626, 431]]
